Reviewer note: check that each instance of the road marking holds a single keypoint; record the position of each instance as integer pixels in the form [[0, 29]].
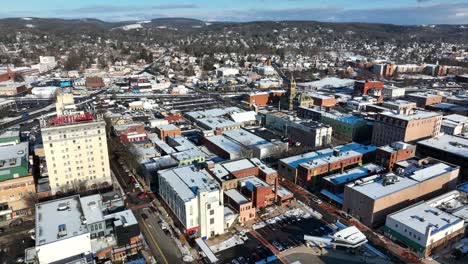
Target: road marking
[[155, 242]]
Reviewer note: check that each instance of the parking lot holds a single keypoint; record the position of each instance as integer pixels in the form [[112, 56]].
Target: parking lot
[[250, 251], [289, 231]]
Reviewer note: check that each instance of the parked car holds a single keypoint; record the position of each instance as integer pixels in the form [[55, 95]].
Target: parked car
[[255, 257], [142, 195], [16, 222], [153, 210], [144, 216], [278, 246], [344, 215], [316, 200]]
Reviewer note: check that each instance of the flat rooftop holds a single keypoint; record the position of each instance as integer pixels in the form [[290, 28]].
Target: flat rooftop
[[252, 181], [237, 165], [214, 123], [187, 180], [375, 187], [448, 143], [49, 219], [245, 137], [416, 115], [236, 196], [297, 160], [262, 166], [92, 208], [167, 127], [12, 155], [421, 216], [180, 143], [214, 112], [226, 144], [396, 146], [353, 174]]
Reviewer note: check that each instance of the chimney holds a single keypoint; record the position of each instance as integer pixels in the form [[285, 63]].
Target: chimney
[[276, 189]]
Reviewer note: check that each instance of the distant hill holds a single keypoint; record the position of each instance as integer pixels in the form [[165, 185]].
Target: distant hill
[[183, 26]]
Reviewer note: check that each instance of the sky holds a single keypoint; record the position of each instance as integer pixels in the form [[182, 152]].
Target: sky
[[404, 12]]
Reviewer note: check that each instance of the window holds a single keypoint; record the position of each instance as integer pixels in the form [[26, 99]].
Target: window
[[211, 212], [211, 221], [208, 206]]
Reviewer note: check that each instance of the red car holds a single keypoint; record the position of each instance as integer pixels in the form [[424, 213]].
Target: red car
[[153, 210], [143, 195]]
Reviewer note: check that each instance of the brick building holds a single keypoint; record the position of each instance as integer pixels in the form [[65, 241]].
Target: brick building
[[391, 127], [167, 131], [241, 204], [424, 99], [388, 155], [364, 87], [371, 199]]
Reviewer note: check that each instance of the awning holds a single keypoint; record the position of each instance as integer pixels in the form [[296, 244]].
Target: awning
[[208, 253], [332, 196]]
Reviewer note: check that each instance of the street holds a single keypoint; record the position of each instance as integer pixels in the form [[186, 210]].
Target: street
[[161, 244]]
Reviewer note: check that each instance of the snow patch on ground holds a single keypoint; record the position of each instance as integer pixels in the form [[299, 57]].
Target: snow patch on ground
[[293, 213], [229, 243]]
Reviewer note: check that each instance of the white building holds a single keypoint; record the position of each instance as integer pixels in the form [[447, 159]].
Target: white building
[[45, 92], [392, 92], [46, 63], [423, 227], [454, 124], [77, 229], [265, 70], [76, 152], [225, 71], [195, 198]]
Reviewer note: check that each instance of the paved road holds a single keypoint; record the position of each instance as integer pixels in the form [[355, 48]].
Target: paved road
[[270, 246], [161, 244]]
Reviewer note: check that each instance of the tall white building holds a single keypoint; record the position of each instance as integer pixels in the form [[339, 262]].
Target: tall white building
[[76, 152], [46, 63], [195, 198]]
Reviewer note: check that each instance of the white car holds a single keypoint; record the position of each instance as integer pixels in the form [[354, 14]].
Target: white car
[[316, 200]]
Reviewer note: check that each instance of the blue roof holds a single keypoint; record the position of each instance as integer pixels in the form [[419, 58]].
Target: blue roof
[[295, 161]]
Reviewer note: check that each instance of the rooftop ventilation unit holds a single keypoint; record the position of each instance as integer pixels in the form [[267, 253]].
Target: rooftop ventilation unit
[[63, 206]]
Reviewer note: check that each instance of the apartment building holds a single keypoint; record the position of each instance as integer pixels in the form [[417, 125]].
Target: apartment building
[[410, 126], [195, 199], [76, 152]]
